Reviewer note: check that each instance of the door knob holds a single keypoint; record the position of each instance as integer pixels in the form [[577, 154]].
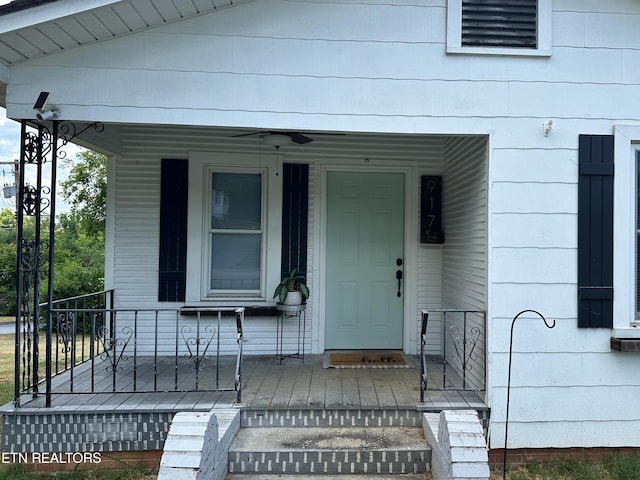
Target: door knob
[[399, 278]]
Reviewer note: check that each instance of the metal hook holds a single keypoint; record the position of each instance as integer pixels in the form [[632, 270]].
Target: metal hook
[[506, 421]]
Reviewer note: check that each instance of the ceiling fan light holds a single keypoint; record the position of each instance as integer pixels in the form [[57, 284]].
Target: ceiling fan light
[[276, 140]]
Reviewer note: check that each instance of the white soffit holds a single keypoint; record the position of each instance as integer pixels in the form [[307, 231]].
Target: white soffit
[[46, 28]]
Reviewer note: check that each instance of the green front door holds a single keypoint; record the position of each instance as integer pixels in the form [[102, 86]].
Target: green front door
[[365, 243]]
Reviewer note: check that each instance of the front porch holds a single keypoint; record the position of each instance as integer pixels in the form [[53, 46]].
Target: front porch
[[272, 394], [267, 384]]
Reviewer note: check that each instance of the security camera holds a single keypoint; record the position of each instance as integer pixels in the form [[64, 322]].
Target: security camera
[[47, 115]]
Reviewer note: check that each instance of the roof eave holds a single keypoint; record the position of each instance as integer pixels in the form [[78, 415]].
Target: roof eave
[[46, 12]]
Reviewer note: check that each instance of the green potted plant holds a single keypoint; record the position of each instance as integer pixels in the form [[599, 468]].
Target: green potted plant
[[292, 290]]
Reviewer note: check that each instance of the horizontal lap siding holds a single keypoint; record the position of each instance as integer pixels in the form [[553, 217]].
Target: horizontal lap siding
[[137, 235], [465, 224], [430, 269], [137, 247], [362, 81], [464, 255]]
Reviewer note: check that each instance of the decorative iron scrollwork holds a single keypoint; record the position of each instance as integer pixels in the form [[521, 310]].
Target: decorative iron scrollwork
[[114, 347], [464, 344], [67, 130], [41, 145], [65, 326], [197, 346]]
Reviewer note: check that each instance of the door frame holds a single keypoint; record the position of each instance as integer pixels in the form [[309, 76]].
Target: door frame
[[411, 185]]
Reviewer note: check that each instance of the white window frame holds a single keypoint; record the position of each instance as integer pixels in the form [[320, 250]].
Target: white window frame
[[454, 33], [625, 250], [210, 231], [201, 166]]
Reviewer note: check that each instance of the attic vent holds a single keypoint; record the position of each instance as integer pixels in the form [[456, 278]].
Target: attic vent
[[499, 23]]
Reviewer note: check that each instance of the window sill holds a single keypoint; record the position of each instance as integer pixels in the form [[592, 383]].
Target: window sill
[[515, 52]]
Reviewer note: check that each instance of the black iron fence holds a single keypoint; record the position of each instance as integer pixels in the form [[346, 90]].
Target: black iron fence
[[102, 349], [455, 343]]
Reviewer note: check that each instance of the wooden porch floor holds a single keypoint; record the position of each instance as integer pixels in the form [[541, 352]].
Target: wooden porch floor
[[266, 385]]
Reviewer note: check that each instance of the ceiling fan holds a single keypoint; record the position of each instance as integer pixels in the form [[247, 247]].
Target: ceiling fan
[[279, 139]]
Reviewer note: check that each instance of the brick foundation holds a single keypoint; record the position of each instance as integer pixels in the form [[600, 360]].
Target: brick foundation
[[531, 455], [147, 460]]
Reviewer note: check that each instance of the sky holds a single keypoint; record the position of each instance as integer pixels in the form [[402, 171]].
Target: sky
[[10, 152]]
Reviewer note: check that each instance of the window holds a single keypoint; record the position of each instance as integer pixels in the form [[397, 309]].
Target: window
[[235, 232], [234, 238], [626, 232], [502, 27]]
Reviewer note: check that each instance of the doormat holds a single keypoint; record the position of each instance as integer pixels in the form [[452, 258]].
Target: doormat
[[366, 360]]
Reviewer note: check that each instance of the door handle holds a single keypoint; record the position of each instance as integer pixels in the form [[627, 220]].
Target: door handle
[[399, 278]]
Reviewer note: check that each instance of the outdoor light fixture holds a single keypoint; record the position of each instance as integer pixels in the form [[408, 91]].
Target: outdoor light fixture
[[276, 140]]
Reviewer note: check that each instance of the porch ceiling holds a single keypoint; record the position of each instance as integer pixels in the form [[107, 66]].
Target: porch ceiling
[[31, 29], [163, 140]]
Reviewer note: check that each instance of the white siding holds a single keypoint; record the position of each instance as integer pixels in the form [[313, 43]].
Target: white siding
[[464, 262], [510, 192]]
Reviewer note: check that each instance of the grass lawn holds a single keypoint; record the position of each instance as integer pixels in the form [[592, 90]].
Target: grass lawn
[[18, 473], [616, 467]]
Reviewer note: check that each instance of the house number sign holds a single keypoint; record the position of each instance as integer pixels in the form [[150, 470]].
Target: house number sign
[[431, 210]]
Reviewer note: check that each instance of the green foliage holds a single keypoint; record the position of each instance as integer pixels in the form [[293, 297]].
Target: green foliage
[[292, 282], [79, 258], [86, 190], [624, 467], [616, 467], [17, 472], [79, 236]]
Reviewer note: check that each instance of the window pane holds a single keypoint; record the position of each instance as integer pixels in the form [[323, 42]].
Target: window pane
[[235, 261], [236, 201]]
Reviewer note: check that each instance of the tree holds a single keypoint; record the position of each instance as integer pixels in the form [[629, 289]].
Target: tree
[[79, 236], [86, 190], [79, 248]]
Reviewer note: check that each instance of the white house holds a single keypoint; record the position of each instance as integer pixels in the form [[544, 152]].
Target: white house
[[346, 115]]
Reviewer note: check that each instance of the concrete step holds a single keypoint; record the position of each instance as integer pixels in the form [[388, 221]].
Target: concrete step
[[330, 451], [400, 476]]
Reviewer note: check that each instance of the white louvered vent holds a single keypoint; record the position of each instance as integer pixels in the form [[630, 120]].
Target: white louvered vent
[[499, 23]]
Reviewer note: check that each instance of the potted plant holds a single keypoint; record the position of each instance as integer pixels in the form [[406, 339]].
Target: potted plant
[[292, 290]]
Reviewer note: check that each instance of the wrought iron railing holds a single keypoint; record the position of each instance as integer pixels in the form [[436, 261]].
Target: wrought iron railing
[[102, 349], [456, 347], [73, 320]]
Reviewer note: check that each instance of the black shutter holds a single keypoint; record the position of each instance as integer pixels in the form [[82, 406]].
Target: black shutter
[[295, 204], [499, 23], [595, 231], [173, 231]]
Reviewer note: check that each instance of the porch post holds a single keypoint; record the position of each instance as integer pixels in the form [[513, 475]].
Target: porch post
[[37, 143], [34, 148], [19, 271], [52, 223]]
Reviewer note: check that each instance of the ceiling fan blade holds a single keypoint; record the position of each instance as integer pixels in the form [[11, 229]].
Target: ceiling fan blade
[[299, 138], [248, 134]]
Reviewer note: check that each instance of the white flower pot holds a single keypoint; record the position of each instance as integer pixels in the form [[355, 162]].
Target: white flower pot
[[293, 298]]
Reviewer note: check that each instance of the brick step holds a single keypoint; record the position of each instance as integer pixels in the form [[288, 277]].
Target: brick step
[[333, 451]]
